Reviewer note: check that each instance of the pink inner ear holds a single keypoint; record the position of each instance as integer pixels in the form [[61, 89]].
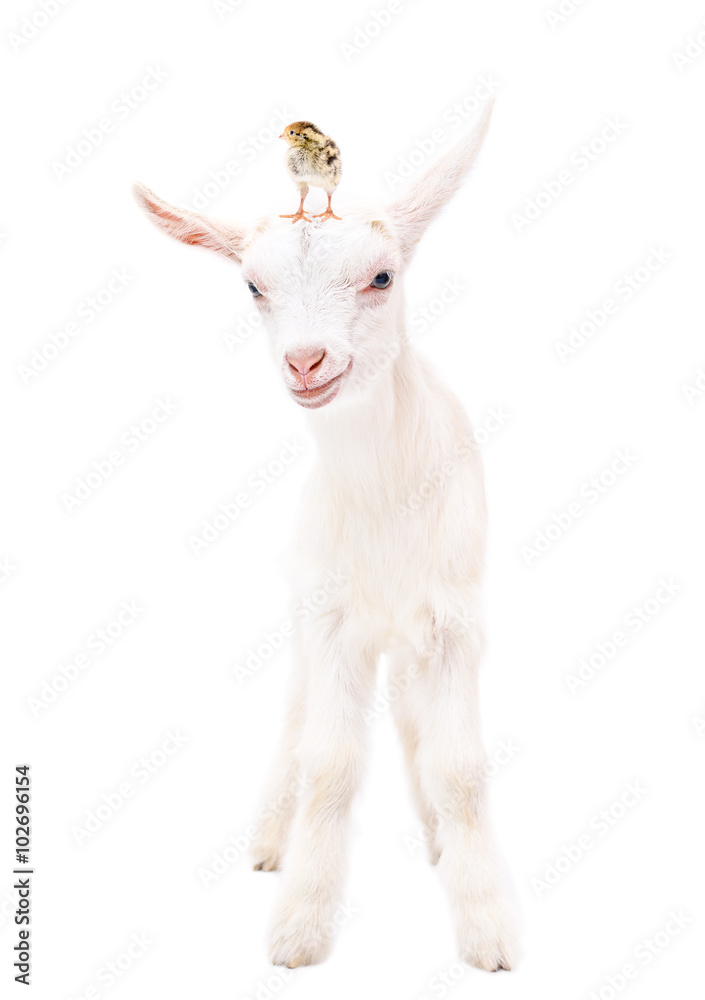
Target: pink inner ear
[[190, 227], [184, 227], [163, 213], [427, 194]]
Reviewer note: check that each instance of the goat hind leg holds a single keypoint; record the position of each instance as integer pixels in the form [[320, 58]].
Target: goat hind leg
[[404, 681]]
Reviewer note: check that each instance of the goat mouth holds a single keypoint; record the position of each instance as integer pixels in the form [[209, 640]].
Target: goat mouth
[[321, 395]]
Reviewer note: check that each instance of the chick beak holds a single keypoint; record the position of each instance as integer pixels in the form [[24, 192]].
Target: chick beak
[[282, 136]]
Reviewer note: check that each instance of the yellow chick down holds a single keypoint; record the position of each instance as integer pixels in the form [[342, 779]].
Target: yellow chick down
[[312, 159]]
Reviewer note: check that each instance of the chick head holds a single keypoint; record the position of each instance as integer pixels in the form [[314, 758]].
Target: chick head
[[301, 134]]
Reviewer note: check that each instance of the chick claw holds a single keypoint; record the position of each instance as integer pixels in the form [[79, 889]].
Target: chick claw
[[295, 218], [328, 214]]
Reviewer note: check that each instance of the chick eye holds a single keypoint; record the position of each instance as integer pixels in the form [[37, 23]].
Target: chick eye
[[291, 131], [381, 280], [254, 289]]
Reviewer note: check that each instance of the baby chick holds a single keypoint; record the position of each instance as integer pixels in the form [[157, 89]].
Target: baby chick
[[312, 158]]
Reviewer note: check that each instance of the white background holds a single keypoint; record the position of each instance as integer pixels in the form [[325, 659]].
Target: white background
[[163, 336]]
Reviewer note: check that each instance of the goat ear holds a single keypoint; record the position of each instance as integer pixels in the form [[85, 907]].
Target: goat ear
[[425, 197], [190, 227]]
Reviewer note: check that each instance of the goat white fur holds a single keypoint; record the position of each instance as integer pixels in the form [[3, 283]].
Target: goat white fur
[[411, 574]]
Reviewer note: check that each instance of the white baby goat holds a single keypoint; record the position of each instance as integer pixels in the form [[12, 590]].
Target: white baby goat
[[386, 428]]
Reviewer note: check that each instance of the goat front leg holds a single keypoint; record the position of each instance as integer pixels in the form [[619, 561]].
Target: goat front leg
[[341, 672], [452, 772], [285, 781]]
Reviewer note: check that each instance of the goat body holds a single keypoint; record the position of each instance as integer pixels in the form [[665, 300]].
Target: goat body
[[395, 514]]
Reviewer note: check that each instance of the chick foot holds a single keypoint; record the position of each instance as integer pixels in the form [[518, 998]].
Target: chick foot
[[328, 214], [295, 218]]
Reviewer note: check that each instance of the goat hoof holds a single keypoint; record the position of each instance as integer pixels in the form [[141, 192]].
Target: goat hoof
[[268, 865], [487, 940], [299, 937]]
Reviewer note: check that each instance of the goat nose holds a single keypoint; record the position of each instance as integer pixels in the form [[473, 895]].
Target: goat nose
[[305, 363]]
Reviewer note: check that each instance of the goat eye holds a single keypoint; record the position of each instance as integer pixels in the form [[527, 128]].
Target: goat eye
[[381, 280], [254, 289]]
